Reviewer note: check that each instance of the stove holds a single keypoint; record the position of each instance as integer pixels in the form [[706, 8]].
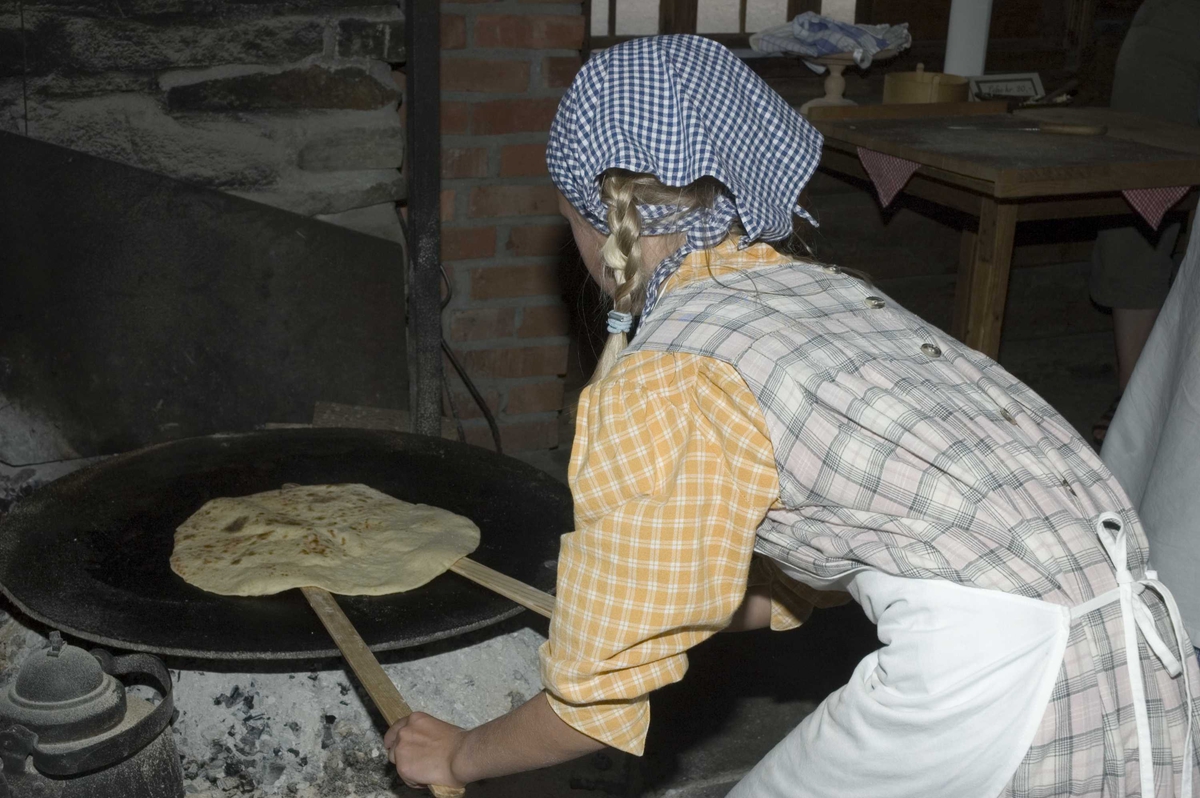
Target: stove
[[263, 706]]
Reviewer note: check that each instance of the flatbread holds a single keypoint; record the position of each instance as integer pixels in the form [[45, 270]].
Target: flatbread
[[348, 539]]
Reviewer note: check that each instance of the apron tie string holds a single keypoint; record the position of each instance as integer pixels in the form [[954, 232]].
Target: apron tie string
[[1136, 617]]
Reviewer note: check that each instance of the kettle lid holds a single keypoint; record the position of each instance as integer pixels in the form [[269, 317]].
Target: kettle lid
[[63, 694]]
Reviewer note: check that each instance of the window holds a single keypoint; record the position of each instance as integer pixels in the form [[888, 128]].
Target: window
[[728, 21]]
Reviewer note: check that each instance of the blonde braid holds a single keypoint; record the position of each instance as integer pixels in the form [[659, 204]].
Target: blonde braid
[[622, 253], [623, 192]]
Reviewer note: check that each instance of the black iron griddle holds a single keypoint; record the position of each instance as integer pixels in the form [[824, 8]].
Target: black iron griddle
[[89, 554]]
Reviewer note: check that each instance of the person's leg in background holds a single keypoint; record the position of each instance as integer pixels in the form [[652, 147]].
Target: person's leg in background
[[1157, 75], [1131, 273], [1131, 328]]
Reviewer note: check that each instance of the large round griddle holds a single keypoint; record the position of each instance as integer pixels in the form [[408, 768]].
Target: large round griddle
[[89, 554]]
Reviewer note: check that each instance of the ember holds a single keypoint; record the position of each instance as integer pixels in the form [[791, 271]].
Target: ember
[[310, 733]]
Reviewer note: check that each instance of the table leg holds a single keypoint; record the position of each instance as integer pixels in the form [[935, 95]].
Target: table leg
[[987, 277], [962, 288]]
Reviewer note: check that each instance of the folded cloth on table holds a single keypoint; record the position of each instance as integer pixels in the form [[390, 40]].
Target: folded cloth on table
[[812, 35]]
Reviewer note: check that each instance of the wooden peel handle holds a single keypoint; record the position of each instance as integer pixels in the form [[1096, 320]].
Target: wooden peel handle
[[528, 597], [387, 698]]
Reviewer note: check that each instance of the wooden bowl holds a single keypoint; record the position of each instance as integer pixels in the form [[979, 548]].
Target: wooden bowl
[[924, 87]]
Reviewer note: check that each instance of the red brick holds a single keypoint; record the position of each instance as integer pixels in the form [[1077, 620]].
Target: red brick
[[479, 324], [538, 239], [519, 437], [464, 162], [514, 116], [544, 321], [529, 435], [464, 403], [498, 76], [447, 199], [538, 397], [559, 71], [456, 118], [513, 201], [523, 160], [540, 31], [453, 32], [465, 243], [528, 361], [481, 435], [506, 282]]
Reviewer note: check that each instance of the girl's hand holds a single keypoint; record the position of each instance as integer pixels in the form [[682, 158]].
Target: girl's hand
[[423, 749], [427, 751]]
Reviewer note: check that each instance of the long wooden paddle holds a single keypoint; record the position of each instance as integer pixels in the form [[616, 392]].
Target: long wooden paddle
[[378, 685], [368, 670], [528, 597]]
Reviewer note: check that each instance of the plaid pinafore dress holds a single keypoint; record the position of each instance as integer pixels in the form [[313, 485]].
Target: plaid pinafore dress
[[906, 458]]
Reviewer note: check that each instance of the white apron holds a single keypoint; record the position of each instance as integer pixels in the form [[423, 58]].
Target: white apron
[[948, 707]]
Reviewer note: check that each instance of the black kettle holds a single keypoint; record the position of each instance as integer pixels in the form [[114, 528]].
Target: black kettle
[[68, 729]]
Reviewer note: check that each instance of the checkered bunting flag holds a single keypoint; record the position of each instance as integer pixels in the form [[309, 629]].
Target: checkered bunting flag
[[1153, 203], [887, 172]]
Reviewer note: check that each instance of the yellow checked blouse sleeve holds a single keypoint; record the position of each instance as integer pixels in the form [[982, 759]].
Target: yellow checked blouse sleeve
[[672, 472]]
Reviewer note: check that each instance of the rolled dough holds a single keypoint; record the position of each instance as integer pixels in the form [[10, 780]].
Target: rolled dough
[[348, 539]]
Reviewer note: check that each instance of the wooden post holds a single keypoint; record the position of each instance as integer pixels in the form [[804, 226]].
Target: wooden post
[[422, 164], [678, 16], [797, 7]]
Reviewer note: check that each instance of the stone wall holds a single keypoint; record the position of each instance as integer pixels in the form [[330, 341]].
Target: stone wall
[[504, 67], [287, 102], [294, 103]]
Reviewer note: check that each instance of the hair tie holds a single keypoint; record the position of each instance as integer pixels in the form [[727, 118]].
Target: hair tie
[[619, 322]]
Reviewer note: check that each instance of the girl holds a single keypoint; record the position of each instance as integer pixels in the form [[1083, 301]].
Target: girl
[[778, 433]]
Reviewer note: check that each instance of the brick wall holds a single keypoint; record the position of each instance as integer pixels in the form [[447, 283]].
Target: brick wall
[[505, 65]]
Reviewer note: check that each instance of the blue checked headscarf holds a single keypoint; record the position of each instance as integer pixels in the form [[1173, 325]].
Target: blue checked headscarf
[[682, 108]]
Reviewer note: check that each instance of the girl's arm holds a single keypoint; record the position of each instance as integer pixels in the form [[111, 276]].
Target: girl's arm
[[754, 612], [531, 736]]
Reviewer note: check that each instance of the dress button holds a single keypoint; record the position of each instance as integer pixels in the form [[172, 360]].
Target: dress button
[[931, 350], [1007, 416], [874, 302], [831, 269]]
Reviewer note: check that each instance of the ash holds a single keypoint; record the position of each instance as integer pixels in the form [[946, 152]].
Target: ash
[[311, 733]]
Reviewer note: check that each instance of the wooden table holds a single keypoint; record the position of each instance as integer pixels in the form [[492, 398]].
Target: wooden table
[[1004, 176]]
